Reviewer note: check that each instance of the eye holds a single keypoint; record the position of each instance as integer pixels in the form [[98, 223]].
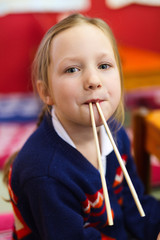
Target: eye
[[72, 70], [104, 66]]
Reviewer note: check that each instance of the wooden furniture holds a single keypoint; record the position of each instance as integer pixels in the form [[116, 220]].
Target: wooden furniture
[[146, 141]]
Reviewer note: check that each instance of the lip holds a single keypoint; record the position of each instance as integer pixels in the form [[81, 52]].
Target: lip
[[97, 100]]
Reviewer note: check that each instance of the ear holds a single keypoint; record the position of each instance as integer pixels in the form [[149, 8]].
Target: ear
[[43, 93]]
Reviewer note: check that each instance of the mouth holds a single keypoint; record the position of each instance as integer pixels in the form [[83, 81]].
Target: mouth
[[93, 101]]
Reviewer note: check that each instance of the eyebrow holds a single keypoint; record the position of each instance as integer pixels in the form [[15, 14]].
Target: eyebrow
[[99, 55], [69, 59], [106, 55], [103, 54]]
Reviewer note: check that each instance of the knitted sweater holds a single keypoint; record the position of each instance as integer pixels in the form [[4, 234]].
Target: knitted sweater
[[56, 193]]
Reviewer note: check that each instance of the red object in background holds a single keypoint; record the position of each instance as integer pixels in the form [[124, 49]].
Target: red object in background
[[20, 34], [6, 226], [19, 37], [6, 222], [134, 25]]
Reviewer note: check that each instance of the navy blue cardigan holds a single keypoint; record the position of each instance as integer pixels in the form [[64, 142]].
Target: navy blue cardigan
[[56, 193]]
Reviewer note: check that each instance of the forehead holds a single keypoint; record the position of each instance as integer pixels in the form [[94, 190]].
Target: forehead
[[79, 36]]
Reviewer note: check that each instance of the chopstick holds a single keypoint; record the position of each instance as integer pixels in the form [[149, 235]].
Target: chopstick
[[104, 186], [134, 194]]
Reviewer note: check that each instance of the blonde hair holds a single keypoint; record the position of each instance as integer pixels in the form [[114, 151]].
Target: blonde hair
[[42, 58]]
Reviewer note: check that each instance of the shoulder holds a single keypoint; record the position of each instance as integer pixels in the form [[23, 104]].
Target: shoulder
[[120, 135]]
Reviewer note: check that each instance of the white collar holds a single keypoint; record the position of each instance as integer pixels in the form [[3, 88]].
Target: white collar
[[60, 130], [106, 146]]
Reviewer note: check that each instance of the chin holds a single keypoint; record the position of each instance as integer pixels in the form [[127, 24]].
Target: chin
[[98, 122]]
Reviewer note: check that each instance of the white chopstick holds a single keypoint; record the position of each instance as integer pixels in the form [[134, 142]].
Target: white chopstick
[[134, 194], [104, 186]]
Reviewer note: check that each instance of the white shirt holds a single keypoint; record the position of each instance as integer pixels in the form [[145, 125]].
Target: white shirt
[[106, 146]]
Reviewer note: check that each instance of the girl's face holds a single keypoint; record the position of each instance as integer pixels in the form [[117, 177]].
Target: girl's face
[[83, 69]]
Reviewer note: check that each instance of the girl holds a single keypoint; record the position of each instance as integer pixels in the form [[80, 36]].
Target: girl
[[54, 183]]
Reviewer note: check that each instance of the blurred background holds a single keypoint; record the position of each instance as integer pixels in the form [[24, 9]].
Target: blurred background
[[136, 27]]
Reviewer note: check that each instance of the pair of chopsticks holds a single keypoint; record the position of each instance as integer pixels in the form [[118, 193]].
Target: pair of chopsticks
[[104, 186]]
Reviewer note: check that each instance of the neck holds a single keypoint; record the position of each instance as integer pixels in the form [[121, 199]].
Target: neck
[[84, 141], [80, 134]]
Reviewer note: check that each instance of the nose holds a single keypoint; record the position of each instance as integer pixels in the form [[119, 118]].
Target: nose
[[92, 81]]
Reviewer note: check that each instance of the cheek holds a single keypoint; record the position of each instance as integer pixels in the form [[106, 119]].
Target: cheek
[[117, 91], [115, 88], [117, 94], [65, 93]]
